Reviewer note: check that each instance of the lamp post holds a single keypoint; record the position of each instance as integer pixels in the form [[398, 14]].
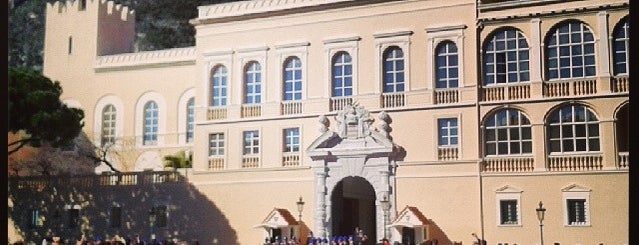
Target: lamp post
[[540, 216], [385, 207], [152, 218], [300, 207]]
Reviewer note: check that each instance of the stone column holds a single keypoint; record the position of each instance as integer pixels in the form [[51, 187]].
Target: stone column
[[320, 206]]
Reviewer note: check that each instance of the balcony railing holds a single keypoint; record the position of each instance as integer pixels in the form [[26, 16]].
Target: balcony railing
[[338, 103], [506, 92], [291, 107], [446, 96], [623, 161], [250, 161], [570, 87], [392, 100], [619, 84], [447, 153], [290, 159], [508, 164], [251, 110], [216, 163], [216, 113], [107, 179], [575, 162]]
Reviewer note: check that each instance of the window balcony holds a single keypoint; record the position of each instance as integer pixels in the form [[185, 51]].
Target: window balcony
[[338, 103], [216, 113], [392, 100], [291, 159], [507, 164], [619, 84], [250, 161], [251, 110], [446, 96], [572, 87], [216, 163], [291, 107], [447, 153], [581, 162], [623, 161], [514, 91]]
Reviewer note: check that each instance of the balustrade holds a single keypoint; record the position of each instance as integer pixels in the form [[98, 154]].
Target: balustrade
[[291, 107], [565, 88], [445, 96], [447, 153], [250, 162], [393, 100], [88, 181], [290, 159], [251, 110], [508, 164], [216, 113], [338, 103], [623, 161], [575, 162], [619, 84], [216, 163]]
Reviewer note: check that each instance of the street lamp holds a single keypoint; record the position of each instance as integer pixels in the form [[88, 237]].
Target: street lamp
[[385, 207], [540, 216], [300, 207], [152, 219]]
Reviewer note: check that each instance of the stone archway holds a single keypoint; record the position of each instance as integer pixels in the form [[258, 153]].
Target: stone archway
[[353, 205], [354, 150]]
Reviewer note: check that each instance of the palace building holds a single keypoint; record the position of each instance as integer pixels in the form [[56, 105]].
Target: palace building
[[415, 120]]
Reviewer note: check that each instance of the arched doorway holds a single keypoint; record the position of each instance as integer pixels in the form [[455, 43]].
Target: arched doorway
[[353, 205]]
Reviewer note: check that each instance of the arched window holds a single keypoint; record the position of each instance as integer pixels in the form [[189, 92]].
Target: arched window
[[108, 125], [570, 51], [573, 128], [342, 74], [621, 47], [507, 132], [190, 119], [506, 58], [446, 64], [622, 125], [219, 84], [293, 79], [393, 70], [150, 123], [253, 83]]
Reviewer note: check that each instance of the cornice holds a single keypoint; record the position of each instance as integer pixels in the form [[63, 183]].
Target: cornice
[[555, 12], [157, 58]]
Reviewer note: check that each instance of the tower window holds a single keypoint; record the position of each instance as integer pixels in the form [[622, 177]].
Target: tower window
[[70, 44]]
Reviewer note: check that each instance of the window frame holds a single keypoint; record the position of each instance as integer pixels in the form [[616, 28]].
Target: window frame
[[436, 35], [385, 40], [249, 147], [508, 128], [394, 56], [293, 66], [288, 146], [190, 120], [150, 130], [576, 192], [508, 193], [332, 47], [448, 129], [561, 126], [443, 50], [342, 66], [109, 125], [556, 53], [622, 27], [222, 78], [217, 150], [521, 57]]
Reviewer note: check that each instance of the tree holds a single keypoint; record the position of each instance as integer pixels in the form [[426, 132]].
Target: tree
[[180, 160], [26, 33], [36, 111]]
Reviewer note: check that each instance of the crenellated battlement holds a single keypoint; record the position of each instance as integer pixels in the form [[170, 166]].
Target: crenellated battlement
[[103, 7]]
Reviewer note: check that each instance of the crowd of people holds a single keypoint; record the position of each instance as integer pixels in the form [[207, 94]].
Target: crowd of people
[[357, 238], [115, 240]]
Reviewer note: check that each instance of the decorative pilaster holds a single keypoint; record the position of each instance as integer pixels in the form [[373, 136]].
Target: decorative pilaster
[[320, 207], [536, 45], [603, 64]]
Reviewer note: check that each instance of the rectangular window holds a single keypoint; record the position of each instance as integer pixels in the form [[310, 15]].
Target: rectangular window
[[116, 217], [508, 212], [34, 219], [292, 140], [576, 211], [216, 144], [74, 217], [70, 44], [448, 132], [251, 142]]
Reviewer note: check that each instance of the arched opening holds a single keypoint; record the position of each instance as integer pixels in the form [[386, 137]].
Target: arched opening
[[353, 205], [623, 123]]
